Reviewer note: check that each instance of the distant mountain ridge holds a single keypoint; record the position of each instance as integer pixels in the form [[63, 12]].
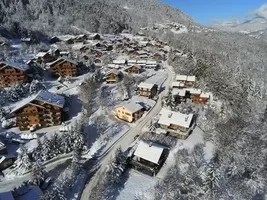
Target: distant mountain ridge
[[19, 17]]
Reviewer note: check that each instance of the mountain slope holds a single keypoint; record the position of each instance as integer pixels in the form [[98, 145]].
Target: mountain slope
[[19, 17]]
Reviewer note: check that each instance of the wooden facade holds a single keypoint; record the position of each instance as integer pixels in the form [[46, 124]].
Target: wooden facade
[[10, 75], [39, 113], [147, 91], [133, 69], [64, 68], [112, 77]]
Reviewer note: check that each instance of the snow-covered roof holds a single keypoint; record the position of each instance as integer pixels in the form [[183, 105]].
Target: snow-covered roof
[[149, 151], [191, 78], [141, 61], [205, 95], [181, 77], [180, 92], [177, 84], [146, 85], [44, 96], [20, 66], [169, 117], [133, 66], [113, 71], [132, 61], [151, 62], [113, 66], [66, 37], [119, 62], [62, 59], [194, 90], [41, 54], [6, 196], [132, 107]]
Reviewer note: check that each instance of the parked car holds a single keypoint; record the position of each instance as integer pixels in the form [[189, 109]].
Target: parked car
[[46, 183]]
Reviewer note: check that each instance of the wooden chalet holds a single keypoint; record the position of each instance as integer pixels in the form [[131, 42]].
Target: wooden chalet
[[194, 95], [44, 57], [129, 112], [179, 95], [175, 123], [63, 67], [149, 157], [13, 73], [113, 76], [147, 89], [42, 110], [133, 69], [190, 81], [94, 37]]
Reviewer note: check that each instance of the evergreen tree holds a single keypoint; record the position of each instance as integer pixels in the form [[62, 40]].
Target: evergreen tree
[[45, 154], [38, 173], [38, 150], [23, 161]]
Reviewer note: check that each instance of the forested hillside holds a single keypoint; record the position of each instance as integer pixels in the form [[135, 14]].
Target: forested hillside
[[19, 18]]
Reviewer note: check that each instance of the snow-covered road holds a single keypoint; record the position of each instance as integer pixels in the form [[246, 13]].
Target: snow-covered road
[[127, 138]]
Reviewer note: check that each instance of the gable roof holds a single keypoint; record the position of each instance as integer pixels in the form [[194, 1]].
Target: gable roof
[[132, 107], [150, 152], [41, 54], [169, 117], [146, 85], [61, 60], [44, 96], [20, 66]]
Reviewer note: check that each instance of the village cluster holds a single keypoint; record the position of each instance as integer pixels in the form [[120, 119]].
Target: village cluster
[[133, 55]]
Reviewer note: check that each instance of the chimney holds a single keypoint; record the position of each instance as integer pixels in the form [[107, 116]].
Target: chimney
[[169, 115], [186, 118]]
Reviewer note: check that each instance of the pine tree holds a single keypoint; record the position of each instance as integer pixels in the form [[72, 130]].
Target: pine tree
[[76, 157], [23, 161], [45, 149], [38, 150], [78, 136], [38, 173]]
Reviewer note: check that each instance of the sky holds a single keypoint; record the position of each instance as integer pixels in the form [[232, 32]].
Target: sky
[[205, 11]]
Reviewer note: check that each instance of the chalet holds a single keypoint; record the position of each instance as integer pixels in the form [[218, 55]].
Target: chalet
[[120, 62], [54, 40], [149, 157], [94, 37], [147, 89], [179, 95], [63, 67], [132, 62], [80, 38], [141, 63], [42, 110], [151, 64], [178, 85], [190, 81], [133, 69], [158, 56], [67, 39], [194, 94], [181, 78], [44, 57], [175, 123], [203, 98], [130, 112], [13, 73], [113, 76]]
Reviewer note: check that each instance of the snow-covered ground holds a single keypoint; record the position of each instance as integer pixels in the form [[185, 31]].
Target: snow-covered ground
[[140, 184]]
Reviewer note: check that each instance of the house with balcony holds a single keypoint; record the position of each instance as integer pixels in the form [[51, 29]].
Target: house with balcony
[[113, 76], [147, 89], [176, 124], [44, 109], [63, 67], [12, 73]]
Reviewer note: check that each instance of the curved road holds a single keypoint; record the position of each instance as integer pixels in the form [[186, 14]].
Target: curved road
[[127, 138]]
